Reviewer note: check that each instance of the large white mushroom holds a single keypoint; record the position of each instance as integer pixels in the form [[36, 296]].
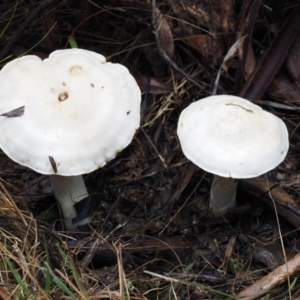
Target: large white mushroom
[[65, 116], [231, 138]]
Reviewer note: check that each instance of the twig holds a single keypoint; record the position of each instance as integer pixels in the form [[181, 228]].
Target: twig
[[172, 280], [165, 56], [154, 147], [265, 284], [21, 29], [281, 240]]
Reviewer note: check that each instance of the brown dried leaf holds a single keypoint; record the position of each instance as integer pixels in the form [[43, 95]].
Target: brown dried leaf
[[206, 15], [156, 62], [3, 294], [156, 86], [164, 33], [250, 61], [227, 15], [209, 47], [293, 61], [284, 88], [227, 61], [271, 255], [266, 186]]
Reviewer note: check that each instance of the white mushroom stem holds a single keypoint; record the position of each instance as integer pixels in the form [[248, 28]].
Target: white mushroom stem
[[69, 190], [222, 195]]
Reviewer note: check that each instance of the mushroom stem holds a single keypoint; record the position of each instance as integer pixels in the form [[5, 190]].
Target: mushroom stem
[[222, 195], [69, 190]]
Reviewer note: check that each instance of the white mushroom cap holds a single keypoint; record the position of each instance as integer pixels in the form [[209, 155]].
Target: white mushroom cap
[[80, 111], [232, 137]]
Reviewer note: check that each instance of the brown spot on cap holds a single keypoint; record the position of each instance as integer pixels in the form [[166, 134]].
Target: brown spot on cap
[[76, 70], [63, 96]]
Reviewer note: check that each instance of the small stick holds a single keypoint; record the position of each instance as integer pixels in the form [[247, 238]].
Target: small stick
[[265, 284], [53, 164], [155, 149]]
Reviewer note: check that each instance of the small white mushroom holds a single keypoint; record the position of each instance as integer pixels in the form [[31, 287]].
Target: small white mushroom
[[79, 112], [231, 138]]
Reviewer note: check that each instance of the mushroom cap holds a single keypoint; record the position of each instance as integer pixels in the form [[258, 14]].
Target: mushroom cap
[[80, 111], [232, 137]]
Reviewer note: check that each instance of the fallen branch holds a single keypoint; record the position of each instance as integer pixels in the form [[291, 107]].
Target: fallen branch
[[273, 59], [265, 284]]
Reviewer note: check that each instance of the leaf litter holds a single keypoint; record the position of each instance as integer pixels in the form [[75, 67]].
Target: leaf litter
[[152, 236]]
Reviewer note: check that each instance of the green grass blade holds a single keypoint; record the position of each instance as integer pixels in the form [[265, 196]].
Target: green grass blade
[[73, 270], [17, 277], [59, 283], [47, 274], [293, 283], [64, 288], [72, 41]]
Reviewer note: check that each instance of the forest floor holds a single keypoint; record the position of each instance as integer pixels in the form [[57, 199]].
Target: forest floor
[[152, 235]]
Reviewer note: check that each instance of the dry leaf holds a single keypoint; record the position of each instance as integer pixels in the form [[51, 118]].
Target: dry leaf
[[227, 15], [209, 47], [164, 33], [154, 85], [283, 87], [231, 52], [293, 61], [3, 294], [250, 61]]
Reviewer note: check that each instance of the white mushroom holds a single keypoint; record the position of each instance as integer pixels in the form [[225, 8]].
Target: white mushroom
[[231, 138], [78, 112]]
